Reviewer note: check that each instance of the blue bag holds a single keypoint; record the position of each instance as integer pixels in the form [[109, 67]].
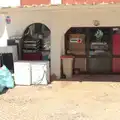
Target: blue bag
[[6, 79]]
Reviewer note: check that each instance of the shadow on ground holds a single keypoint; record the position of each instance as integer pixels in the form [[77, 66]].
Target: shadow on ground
[[93, 78], [4, 91]]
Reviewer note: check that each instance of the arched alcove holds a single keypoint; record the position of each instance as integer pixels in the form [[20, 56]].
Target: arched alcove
[[75, 32], [36, 39], [95, 53], [75, 44]]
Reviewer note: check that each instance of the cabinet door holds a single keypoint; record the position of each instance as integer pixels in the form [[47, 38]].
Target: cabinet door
[[22, 74], [116, 53], [99, 65], [39, 74], [80, 63], [116, 44]]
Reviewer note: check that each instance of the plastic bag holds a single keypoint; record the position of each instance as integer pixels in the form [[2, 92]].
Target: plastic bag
[[1, 88], [6, 80]]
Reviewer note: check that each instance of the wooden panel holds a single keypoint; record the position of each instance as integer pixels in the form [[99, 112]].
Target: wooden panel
[[80, 63], [36, 2]]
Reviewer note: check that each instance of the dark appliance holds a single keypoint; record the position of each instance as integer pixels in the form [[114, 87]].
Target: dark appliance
[[7, 60], [99, 58], [15, 41]]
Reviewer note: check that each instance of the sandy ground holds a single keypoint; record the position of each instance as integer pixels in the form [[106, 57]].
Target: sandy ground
[[62, 101]]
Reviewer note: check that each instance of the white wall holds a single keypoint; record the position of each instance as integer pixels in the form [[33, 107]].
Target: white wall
[[2, 24], [9, 3], [59, 20], [14, 3], [56, 1], [22, 19], [3, 31]]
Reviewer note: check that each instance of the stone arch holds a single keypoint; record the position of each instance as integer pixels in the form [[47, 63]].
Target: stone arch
[[38, 28], [28, 25]]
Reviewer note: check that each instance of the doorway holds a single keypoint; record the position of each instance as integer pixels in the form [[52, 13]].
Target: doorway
[[96, 49]]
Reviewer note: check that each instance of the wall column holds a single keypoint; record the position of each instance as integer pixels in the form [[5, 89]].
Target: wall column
[[3, 31], [55, 51]]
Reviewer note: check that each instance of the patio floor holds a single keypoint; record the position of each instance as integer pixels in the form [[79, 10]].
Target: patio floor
[[63, 100]]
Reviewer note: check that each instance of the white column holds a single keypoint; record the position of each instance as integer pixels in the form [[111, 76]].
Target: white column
[[55, 52], [3, 31]]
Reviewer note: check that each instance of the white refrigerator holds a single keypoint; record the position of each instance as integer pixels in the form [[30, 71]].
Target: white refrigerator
[[40, 73], [31, 72], [22, 73]]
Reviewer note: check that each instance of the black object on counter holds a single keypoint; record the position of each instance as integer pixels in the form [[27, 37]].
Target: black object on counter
[[16, 42], [7, 60]]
